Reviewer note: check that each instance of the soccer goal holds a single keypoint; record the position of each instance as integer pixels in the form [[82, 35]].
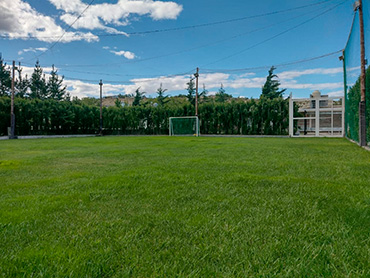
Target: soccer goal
[[183, 126]]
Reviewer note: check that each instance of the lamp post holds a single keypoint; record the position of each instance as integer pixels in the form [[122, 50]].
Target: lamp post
[[101, 108]]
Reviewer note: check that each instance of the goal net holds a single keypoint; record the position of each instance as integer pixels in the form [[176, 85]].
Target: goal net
[[184, 126]]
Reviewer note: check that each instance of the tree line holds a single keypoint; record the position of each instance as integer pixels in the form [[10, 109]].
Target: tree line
[[43, 106], [252, 117], [35, 87]]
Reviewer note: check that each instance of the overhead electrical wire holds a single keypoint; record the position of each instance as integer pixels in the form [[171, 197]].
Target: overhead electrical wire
[[275, 36], [275, 65], [197, 47], [134, 80], [189, 49], [68, 28], [179, 28], [202, 70], [208, 71]]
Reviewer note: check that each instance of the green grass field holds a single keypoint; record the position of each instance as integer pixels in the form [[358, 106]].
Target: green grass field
[[184, 207]]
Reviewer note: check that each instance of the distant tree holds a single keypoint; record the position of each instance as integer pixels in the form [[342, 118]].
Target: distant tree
[[55, 87], [191, 91], [203, 96], [270, 89], [5, 79], [221, 95], [21, 84], [161, 98], [138, 97], [38, 84], [90, 101]]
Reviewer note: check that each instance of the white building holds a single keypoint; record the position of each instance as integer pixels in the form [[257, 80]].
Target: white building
[[319, 116]]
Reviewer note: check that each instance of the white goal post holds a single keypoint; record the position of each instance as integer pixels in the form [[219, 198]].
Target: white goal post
[[184, 126]]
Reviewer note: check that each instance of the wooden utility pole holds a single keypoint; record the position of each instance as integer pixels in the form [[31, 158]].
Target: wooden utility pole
[[362, 105], [101, 108], [196, 91], [12, 116]]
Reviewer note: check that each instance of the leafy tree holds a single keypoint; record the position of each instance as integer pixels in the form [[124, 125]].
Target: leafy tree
[[191, 91], [38, 84], [221, 95], [270, 89], [162, 99], [55, 87], [5, 79], [138, 97]]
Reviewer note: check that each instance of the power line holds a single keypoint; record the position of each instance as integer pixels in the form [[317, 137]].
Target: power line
[[69, 27], [220, 22], [203, 70], [277, 35], [133, 80], [277, 65], [214, 70], [198, 47], [183, 27]]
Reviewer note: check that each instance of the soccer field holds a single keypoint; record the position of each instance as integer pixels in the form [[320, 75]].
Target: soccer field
[[184, 207]]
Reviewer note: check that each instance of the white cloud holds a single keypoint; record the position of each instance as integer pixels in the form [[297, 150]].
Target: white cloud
[[336, 94], [29, 70], [256, 82], [178, 84], [118, 14], [295, 74], [82, 89], [32, 50], [20, 20], [127, 54], [312, 86], [211, 81]]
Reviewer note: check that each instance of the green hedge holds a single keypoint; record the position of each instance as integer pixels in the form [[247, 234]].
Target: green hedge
[[352, 105], [33, 117]]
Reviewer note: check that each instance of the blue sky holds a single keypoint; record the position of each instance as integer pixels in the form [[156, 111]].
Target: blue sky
[[101, 44]]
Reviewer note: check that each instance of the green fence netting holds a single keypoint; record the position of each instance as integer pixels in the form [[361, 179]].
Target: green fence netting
[[352, 72]]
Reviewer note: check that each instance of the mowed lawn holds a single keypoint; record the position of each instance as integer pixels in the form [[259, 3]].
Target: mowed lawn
[[184, 207]]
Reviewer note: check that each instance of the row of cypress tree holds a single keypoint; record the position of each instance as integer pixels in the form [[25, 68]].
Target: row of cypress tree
[[35, 116], [38, 86]]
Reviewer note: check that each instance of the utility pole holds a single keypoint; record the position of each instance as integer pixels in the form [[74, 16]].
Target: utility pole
[[362, 104], [101, 108], [12, 116], [196, 92]]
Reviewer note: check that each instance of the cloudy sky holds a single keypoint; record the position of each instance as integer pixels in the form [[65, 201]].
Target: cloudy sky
[[145, 43]]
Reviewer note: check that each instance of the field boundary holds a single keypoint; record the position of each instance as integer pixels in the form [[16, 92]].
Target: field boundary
[[48, 136], [354, 142]]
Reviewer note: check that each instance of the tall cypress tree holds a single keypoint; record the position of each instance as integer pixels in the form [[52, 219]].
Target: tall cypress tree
[[38, 84], [161, 98], [270, 89], [221, 95], [56, 89], [5, 79], [191, 91], [138, 97], [21, 84]]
